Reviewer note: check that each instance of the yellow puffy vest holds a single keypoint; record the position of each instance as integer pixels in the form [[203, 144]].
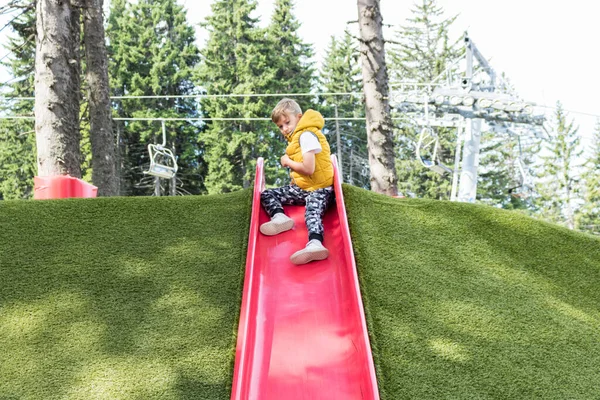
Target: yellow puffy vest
[[323, 176]]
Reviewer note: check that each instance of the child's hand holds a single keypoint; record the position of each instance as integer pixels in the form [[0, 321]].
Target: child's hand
[[285, 160]]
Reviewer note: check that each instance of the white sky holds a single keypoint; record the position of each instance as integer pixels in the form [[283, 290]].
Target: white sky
[[548, 49]]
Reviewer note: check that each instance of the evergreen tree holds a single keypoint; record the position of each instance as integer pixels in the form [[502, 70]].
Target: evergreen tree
[[152, 52], [558, 181], [588, 218], [289, 69], [505, 177], [17, 160], [423, 50], [506, 162], [235, 62], [341, 73], [17, 137]]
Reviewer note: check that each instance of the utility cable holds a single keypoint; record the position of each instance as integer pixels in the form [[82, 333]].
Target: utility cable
[[18, 48], [193, 96], [12, 20], [12, 4], [188, 119]]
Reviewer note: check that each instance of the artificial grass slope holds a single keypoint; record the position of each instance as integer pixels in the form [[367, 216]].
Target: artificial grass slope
[[472, 302], [138, 298], [121, 298]]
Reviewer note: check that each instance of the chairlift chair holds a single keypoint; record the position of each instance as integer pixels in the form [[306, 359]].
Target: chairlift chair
[[524, 186], [429, 143], [162, 160]]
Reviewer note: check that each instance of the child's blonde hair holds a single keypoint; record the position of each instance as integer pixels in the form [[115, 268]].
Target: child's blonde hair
[[285, 106]]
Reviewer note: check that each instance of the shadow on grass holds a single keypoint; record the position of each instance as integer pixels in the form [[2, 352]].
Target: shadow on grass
[[468, 301], [131, 297]]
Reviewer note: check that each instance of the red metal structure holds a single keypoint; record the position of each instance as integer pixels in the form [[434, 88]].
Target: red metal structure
[[302, 331], [61, 187]]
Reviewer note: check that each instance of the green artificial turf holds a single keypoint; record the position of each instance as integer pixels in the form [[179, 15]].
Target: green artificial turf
[[138, 298], [121, 298], [472, 302]]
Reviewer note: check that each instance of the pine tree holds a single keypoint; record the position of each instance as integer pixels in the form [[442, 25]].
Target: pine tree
[[289, 69], [588, 218], [505, 177], [506, 163], [425, 49], [17, 137], [235, 62], [421, 51], [341, 73], [152, 52], [558, 180]]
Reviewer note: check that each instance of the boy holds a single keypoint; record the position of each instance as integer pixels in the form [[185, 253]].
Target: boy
[[308, 156]]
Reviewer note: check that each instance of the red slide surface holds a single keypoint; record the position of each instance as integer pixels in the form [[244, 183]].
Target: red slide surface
[[302, 331]]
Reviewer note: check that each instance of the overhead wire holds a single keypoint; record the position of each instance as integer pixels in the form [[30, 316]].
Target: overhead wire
[[8, 6], [570, 111], [17, 49], [233, 95], [199, 119], [12, 20], [192, 96]]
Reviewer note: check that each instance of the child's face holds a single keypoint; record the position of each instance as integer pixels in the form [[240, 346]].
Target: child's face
[[287, 123]]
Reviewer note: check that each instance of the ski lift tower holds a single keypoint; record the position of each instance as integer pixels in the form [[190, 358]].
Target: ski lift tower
[[492, 107], [465, 103]]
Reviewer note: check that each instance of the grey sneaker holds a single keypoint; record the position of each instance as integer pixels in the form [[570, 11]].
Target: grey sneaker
[[313, 251], [279, 223]]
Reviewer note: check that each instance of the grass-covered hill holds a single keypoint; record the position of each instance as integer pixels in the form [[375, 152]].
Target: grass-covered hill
[[121, 298], [138, 298], [472, 302]]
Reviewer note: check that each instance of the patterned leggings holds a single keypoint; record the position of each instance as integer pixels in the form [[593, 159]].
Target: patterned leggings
[[317, 202]]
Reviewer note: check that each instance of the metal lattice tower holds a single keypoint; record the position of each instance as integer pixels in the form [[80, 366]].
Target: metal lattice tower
[[464, 100]]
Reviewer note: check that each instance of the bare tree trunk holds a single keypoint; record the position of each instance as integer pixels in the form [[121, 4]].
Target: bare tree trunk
[[101, 132], [57, 88], [375, 83]]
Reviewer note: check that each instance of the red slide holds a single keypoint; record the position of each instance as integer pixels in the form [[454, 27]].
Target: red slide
[[302, 331]]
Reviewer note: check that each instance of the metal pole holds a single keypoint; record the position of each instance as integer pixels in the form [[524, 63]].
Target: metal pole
[[156, 186], [469, 57], [481, 60], [156, 181], [164, 132], [119, 157], [174, 178], [467, 189], [459, 139], [339, 144], [351, 162]]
